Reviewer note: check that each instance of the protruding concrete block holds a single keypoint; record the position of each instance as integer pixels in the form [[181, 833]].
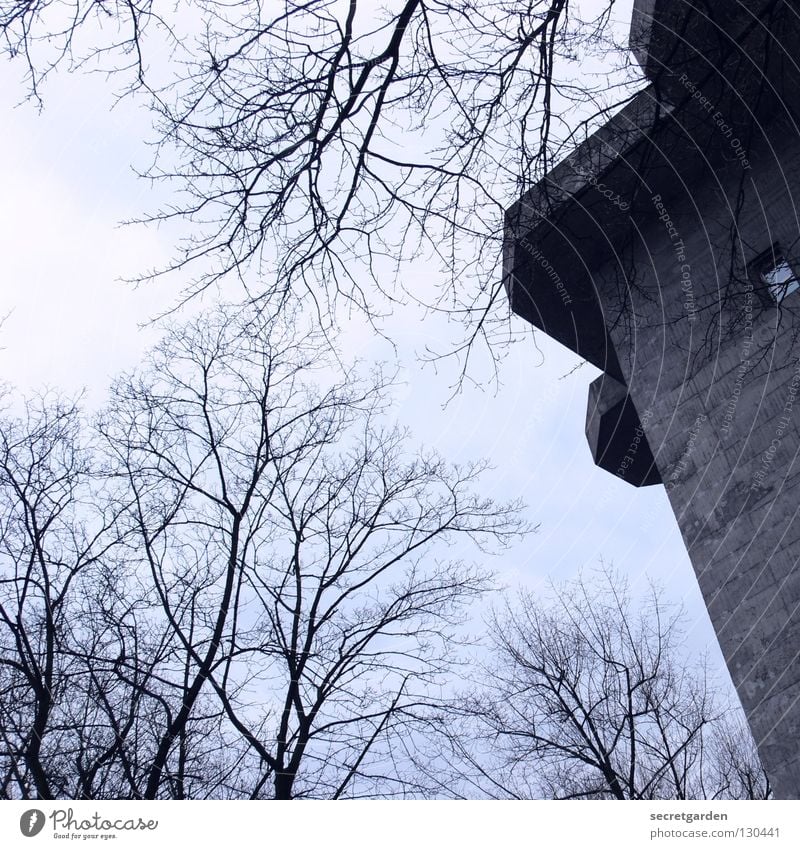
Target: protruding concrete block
[[615, 435]]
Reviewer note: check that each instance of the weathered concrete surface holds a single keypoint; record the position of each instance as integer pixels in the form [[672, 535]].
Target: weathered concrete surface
[[616, 436]]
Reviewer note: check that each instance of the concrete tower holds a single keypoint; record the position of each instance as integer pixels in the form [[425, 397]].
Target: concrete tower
[[666, 251]]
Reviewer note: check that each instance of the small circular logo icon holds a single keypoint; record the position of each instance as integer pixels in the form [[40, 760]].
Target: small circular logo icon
[[31, 822]]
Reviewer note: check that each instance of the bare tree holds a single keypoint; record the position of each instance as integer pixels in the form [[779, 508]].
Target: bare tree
[[587, 696], [45, 35], [316, 147], [733, 762], [296, 554], [240, 583], [53, 533]]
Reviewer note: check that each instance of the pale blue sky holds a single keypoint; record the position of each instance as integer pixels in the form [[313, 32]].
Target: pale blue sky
[[71, 324]]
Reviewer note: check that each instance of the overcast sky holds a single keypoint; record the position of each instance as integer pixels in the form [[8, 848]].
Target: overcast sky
[[72, 325]]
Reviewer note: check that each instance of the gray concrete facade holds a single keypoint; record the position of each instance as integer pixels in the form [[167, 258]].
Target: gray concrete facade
[[649, 252]]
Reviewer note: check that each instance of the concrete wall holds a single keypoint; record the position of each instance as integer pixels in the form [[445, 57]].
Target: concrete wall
[[721, 379]]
